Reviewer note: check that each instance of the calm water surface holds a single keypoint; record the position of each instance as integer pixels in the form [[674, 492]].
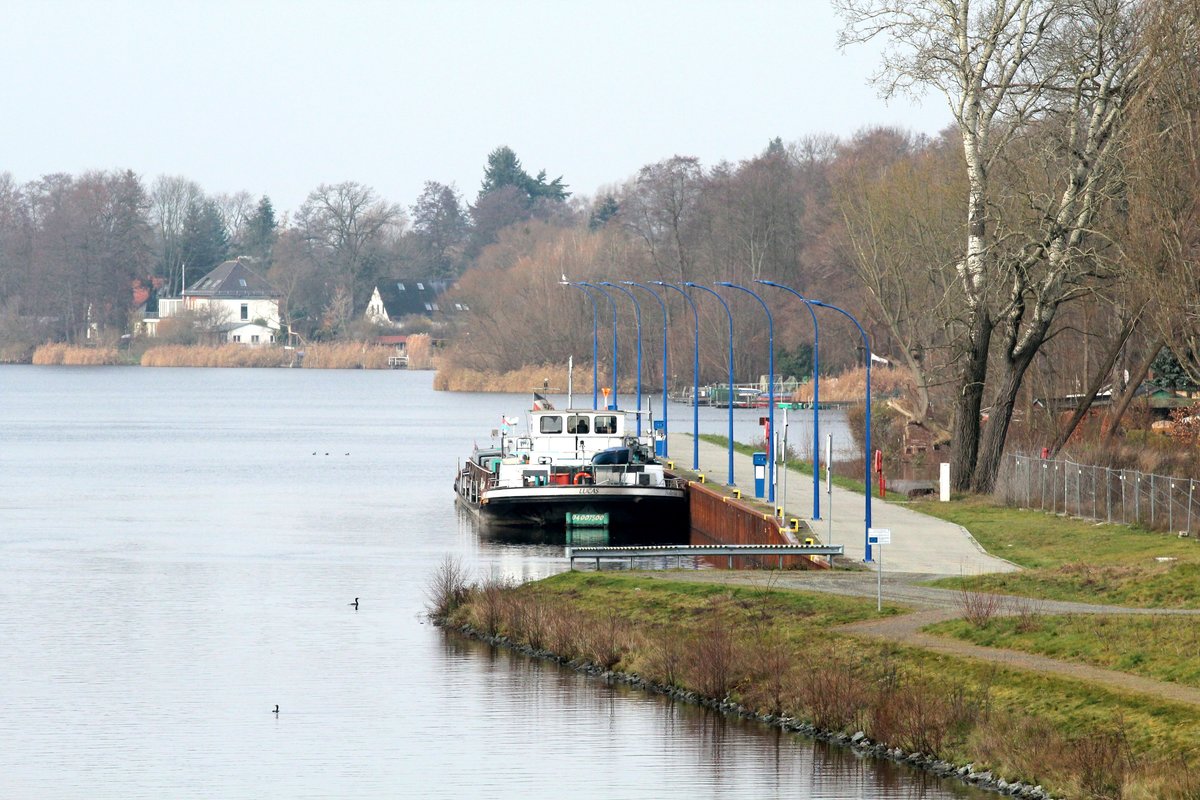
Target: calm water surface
[[177, 551]]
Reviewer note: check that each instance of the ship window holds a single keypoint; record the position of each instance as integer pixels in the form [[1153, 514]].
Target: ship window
[[577, 424], [606, 423], [551, 424]]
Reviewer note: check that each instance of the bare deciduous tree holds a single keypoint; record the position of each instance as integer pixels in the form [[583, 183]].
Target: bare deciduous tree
[[171, 198], [1055, 76], [902, 218], [342, 223]]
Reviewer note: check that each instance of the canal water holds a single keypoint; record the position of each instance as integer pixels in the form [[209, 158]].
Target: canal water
[[178, 552]]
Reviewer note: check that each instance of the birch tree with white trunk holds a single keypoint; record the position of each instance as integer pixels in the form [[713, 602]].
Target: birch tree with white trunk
[[1061, 71]]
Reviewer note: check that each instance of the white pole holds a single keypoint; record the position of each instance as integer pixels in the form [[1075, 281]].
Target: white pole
[[879, 580], [783, 503], [829, 487], [570, 381]]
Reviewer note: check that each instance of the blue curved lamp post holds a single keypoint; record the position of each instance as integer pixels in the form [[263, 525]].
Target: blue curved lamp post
[[770, 389], [595, 340], [666, 430], [695, 372], [613, 304], [867, 455], [816, 396], [637, 314], [728, 314]]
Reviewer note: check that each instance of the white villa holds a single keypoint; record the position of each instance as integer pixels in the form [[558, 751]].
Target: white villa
[[239, 304]]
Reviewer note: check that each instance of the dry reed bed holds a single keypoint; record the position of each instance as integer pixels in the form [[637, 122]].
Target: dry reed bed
[[61, 354], [347, 355], [228, 355], [851, 386], [452, 378], [735, 653]]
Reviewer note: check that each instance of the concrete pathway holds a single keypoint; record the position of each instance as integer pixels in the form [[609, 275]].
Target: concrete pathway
[[920, 543]]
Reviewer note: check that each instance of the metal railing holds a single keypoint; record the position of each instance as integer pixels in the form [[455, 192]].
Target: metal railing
[[1103, 494]]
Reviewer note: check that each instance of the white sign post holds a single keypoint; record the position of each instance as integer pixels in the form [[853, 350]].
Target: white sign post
[[879, 536], [829, 488], [944, 482]]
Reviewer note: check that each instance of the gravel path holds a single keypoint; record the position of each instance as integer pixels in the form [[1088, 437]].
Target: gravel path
[[937, 605]]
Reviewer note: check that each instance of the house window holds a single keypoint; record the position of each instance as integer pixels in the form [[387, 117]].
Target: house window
[[420, 287], [237, 338], [458, 306], [400, 286], [428, 307], [245, 311], [242, 282], [272, 338], [435, 307], [254, 339]]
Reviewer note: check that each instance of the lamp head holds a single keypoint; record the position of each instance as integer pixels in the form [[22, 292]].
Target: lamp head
[[723, 283], [606, 283], [766, 283], [659, 283], [689, 284], [628, 283]]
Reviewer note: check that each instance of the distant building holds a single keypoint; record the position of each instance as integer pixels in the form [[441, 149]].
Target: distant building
[[233, 301], [394, 299]]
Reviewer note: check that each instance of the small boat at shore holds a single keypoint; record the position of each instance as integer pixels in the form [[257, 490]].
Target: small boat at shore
[[574, 467]]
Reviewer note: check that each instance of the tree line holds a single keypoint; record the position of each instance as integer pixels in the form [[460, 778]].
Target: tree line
[[1045, 244], [72, 247]]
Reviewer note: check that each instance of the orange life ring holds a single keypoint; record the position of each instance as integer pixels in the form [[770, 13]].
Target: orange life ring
[[581, 478]]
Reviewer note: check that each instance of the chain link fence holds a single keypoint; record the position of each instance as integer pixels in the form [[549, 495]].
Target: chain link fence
[[1157, 502]]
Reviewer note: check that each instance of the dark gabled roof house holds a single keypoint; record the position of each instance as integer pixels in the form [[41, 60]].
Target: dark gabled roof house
[[395, 298], [232, 279]]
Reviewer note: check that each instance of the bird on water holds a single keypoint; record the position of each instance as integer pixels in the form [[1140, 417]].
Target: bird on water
[[355, 604]]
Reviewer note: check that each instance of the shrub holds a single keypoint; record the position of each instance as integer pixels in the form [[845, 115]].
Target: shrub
[[448, 589]]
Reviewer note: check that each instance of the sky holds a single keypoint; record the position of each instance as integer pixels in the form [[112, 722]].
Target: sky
[[275, 97]]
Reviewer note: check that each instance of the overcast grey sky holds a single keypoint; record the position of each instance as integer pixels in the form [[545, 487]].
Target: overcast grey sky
[[277, 97]]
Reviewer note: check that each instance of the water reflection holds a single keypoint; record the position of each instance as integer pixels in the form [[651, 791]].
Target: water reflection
[[165, 581], [679, 744]]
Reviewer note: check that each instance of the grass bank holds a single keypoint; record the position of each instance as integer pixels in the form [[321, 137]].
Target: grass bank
[[1063, 558], [1072, 559], [1163, 648], [773, 652]]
